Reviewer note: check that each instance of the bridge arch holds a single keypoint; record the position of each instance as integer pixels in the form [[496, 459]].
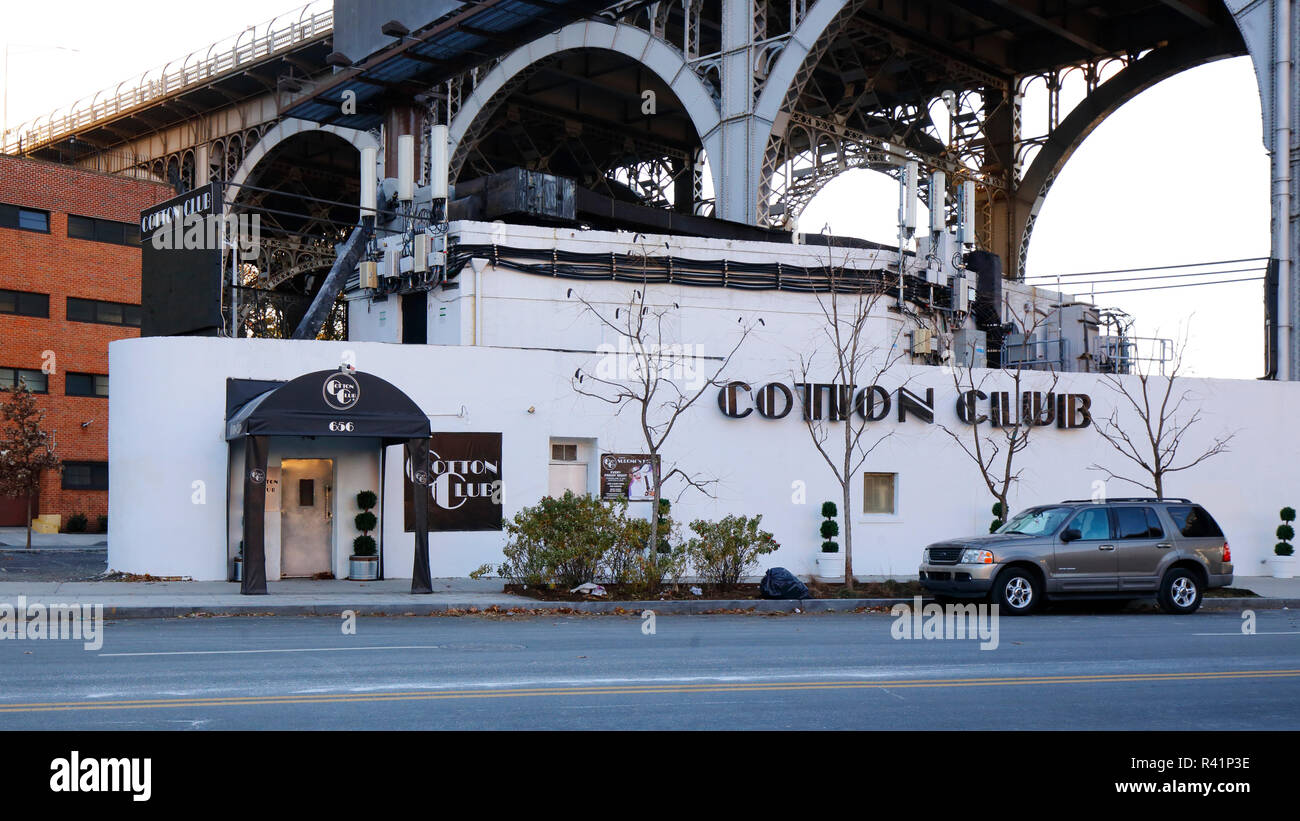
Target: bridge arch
[[649, 52], [1160, 64], [279, 133]]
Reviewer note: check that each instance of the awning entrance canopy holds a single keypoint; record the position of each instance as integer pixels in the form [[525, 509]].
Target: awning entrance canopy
[[342, 403], [331, 403]]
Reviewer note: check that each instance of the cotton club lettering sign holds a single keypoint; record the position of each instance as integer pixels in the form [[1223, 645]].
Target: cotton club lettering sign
[[836, 403]]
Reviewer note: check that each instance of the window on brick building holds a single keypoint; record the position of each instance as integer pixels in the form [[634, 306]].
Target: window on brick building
[[85, 475], [36, 381], [25, 303], [86, 384], [25, 219], [102, 230], [105, 313]]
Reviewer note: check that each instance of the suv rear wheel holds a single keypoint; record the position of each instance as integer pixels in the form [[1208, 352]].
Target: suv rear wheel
[[1017, 591], [1180, 592]]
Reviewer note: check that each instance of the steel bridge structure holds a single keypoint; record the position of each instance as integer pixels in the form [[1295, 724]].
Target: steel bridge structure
[[738, 109]]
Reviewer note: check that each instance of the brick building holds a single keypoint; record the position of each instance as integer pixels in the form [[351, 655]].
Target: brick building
[[69, 285]]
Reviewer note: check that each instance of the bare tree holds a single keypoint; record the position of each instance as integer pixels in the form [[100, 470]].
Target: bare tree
[[847, 300], [1157, 403], [25, 449], [994, 441], [655, 376]]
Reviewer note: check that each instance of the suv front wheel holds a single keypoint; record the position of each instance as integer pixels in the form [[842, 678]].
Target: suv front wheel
[[1017, 591], [1180, 592]]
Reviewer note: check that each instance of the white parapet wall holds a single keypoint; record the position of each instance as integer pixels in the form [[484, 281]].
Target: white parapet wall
[[171, 512]]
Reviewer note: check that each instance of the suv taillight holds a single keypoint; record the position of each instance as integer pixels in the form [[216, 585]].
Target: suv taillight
[[1227, 552]]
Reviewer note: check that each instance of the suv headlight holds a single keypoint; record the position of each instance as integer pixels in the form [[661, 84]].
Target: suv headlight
[[976, 556]]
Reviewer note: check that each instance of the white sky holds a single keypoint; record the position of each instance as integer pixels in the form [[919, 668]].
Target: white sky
[[1166, 179]]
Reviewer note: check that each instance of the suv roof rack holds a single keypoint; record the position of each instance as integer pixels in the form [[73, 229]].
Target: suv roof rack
[[1178, 499]]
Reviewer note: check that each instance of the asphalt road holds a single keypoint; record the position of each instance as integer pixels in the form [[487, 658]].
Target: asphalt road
[[1054, 671], [65, 564]]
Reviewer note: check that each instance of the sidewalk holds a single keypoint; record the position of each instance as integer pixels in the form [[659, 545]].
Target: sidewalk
[[16, 537], [301, 597]]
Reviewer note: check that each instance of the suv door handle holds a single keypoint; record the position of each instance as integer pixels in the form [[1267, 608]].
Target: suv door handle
[[1106, 547], [1165, 544]]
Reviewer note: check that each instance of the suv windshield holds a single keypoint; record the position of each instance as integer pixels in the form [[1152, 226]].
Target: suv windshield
[[1036, 521]]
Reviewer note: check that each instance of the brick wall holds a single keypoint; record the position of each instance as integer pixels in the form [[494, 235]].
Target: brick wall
[[61, 266]]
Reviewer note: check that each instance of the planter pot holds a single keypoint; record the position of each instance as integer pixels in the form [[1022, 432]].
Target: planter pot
[[363, 568], [239, 571], [830, 567], [1282, 567]]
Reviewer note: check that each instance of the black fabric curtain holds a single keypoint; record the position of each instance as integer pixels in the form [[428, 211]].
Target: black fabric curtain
[[417, 451], [255, 452]]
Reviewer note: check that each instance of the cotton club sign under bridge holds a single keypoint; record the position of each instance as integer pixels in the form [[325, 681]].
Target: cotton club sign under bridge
[[837, 403]]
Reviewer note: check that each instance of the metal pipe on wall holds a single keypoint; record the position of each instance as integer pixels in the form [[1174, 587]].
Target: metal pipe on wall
[[1282, 188]]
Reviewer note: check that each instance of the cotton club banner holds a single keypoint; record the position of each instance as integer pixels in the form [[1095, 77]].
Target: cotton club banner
[[464, 483]]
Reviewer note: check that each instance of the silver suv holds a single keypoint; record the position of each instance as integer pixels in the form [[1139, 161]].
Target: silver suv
[[1118, 549]]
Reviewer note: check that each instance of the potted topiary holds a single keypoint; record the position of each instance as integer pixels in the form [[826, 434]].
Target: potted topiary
[[830, 564], [1283, 562], [999, 517], [363, 565]]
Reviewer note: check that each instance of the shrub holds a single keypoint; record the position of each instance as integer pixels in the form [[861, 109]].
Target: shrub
[[560, 540], [628, 561], [725, 551], [101, 523], [481, 571], [365, 521], [76, 523], [999, 517], [830, 528], [1286, 533], [364, 546]]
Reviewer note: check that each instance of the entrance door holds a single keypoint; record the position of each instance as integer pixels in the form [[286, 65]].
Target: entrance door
[[306, 516], [415, 318], [13, 509]]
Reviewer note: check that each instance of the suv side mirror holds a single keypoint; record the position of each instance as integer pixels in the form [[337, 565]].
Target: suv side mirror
[[1071, 534]]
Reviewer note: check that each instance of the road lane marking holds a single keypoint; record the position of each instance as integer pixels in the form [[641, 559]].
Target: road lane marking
[[1260, 633], [676, 689], [272, 650]]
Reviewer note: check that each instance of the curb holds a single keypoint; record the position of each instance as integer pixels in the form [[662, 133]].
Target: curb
[[625, 608]]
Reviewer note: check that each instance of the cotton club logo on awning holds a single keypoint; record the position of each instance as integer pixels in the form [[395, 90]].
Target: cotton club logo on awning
[[341, 391], [831, 402]]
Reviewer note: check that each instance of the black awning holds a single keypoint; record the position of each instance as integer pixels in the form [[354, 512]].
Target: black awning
[[331, 403]]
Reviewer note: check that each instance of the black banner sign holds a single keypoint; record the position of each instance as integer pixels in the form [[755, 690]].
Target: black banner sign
[[464, 483]]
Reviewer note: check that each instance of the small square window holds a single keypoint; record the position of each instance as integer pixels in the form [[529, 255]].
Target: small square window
[[36, 381], [85, 476], [86, 384], [878, 493], [564, 453], [30, 220], [81, 227], [306, 493], [109, 312], [81, 310]]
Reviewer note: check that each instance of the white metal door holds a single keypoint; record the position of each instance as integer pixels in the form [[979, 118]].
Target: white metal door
[[306, 516]]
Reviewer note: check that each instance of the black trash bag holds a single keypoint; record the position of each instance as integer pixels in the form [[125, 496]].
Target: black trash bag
[[779, 583]]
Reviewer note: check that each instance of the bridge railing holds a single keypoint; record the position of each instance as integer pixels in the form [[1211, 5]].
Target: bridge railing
[[250, 46]]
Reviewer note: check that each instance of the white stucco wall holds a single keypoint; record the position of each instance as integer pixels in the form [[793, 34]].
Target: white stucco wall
[[166, 425]]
